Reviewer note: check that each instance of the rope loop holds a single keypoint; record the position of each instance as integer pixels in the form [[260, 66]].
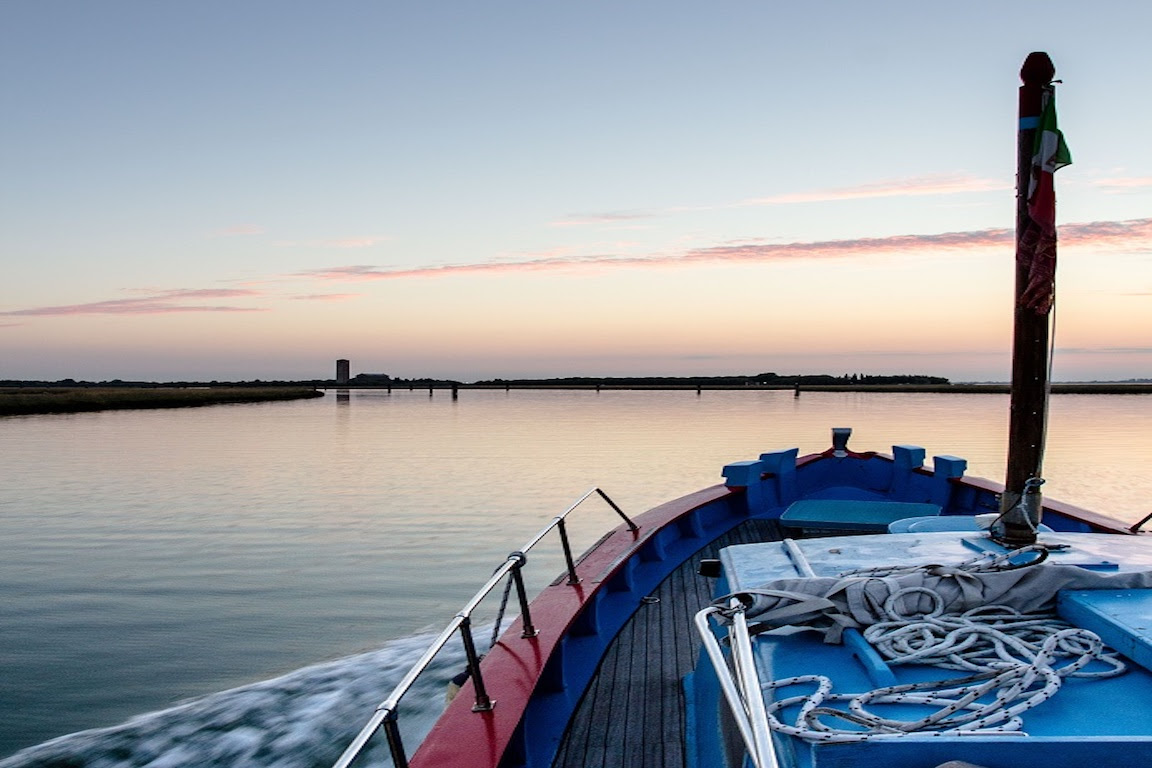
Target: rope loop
[[895, 615], [1009, 676], [1014, 661]]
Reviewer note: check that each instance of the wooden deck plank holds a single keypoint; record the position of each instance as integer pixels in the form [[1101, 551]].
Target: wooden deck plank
[[687, 591], [633, 713]]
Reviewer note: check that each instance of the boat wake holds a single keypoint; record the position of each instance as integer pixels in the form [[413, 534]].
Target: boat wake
[[304, 719]]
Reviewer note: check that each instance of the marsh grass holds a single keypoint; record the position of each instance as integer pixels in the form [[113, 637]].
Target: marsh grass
[[15, 401]]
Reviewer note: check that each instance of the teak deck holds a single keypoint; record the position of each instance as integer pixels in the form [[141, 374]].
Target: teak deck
[[633, 713]]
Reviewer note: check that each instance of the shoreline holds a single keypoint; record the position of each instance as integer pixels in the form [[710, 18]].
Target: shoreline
[[45, 400], [34, 401], [1106, 388]]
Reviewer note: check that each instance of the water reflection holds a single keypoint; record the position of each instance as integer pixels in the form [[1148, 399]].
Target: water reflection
[[214, 547]]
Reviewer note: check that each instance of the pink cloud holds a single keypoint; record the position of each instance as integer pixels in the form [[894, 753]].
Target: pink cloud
[[165, 302], [326, 296], [205, 293], [364, 272], [912, 187], [1133, 234], [353, 273], [353, 242], [1123, 184], [610, 217], [856, 247], [340, 242], [917, 186]]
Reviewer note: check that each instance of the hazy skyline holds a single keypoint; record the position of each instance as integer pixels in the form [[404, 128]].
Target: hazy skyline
[[252, 189]]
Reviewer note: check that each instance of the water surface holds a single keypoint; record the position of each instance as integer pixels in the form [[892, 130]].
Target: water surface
[[150, 557]]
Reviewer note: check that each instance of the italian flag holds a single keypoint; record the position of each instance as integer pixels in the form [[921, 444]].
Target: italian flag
[[1037, 243]]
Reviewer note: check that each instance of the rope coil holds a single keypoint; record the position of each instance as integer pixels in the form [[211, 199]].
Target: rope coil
[[1015, 662], [1012, 673]]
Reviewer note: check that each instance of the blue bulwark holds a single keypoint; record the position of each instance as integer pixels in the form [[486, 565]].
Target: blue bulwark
[[1122, 618], [837, 514], [741, 474]]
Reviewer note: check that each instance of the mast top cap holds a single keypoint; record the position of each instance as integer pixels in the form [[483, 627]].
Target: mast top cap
[[1038, 69]]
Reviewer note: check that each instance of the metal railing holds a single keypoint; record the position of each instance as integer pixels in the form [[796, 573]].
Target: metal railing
[[741, 684], [386, 714]]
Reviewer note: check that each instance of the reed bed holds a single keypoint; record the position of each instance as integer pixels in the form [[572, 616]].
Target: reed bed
[[18, 401]]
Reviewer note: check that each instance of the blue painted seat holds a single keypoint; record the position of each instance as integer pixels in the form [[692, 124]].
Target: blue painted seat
[[839, 514]]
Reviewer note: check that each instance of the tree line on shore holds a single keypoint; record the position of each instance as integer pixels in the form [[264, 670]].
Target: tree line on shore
[[760, 380], [122, 384], [383, 379]]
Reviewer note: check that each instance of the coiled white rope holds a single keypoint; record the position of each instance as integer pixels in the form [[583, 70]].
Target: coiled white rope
[[1017, 661], [986, 639], [987, 702]]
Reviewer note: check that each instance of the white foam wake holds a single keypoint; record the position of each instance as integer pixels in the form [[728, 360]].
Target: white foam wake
[[304, 719]]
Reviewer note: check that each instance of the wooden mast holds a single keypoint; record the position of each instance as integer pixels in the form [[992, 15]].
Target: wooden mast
[[1020, 503]]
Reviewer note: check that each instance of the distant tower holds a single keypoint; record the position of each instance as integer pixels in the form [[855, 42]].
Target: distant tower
[[342, 370]]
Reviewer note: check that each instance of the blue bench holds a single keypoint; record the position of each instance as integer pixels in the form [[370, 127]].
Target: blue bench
[[838, 514]]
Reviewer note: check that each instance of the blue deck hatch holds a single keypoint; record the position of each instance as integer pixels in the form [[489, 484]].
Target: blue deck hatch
[[1122, 618]]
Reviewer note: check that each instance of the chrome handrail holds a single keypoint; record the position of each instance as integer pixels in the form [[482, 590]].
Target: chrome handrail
[[741, 689], [387, 712]]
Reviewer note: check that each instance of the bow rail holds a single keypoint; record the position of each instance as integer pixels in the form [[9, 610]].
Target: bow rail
[[740, 684], [386, 715]]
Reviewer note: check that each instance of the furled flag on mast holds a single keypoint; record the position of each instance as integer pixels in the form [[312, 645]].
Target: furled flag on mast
[[1036, 248]]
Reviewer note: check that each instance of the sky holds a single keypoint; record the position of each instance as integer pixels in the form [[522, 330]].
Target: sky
[[251, 189]]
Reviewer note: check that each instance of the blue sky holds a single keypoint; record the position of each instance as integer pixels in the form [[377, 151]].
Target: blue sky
[[251, 189]]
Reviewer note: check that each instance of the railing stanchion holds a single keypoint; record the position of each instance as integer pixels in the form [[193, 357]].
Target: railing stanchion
[[395, 743], [522, 596], [563, 529], [1136, 528], [631, 525], [483, 703]]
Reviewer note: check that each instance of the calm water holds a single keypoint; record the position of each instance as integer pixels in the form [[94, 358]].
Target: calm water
[[295, 555]]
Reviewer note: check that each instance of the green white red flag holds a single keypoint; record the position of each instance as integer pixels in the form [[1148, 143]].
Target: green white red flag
[[1036, 247]]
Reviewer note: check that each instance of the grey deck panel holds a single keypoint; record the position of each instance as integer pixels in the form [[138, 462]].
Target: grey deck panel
[[633, 713]]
